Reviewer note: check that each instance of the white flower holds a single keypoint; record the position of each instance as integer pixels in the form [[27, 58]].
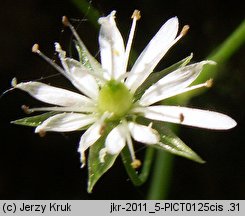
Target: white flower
[[107, 91]]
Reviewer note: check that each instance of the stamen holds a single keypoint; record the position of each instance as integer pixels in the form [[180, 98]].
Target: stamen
[[136, 164], [209, 83], [42, 133], [102, 129], [181, 117], [136, 16], [14, 82], [129, 141], [184, 30], [35, 49], [65, 21], [26, 109]]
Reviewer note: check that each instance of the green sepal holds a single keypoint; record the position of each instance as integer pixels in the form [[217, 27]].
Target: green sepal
[[172, 143], [86, 58], [34, 121], [156, 76], [96, 169]]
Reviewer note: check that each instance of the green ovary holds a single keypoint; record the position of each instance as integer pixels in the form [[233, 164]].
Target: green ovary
[[114, 97]]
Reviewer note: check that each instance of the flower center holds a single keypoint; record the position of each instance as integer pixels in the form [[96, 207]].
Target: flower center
[[114, 97]]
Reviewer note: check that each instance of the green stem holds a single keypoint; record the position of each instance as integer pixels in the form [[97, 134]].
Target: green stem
[[230, 45], [221, 55], [163, 165], [161, 176], [137, 179]]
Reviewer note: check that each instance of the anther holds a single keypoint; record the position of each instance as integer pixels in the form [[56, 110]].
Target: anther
[[209, 83], [42, 133], [136, 164], [181, 117], [102, 129], [26, 109], [136, 15], [65, 21], [35, 48], [184, 30], [14, 82]]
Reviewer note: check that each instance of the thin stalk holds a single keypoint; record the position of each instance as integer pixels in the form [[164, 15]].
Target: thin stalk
[[161, 176], [137, 179]]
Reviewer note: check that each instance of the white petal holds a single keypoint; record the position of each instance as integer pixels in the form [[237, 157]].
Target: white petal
[[115, 140], [112, 48], [84, 81], [54, 95], [78, 74], [172, 84], [153, 53], [143, 134], [189, 116], [89, 138], [65, 122]]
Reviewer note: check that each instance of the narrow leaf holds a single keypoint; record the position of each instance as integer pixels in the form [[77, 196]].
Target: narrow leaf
[[154, 77], [34, 121], [95, 168]]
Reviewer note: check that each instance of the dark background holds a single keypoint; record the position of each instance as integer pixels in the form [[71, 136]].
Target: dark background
[[48, 168]]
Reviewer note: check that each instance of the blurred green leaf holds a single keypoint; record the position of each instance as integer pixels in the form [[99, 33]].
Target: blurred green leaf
[[34, 121], [91, 13], [95, 168]]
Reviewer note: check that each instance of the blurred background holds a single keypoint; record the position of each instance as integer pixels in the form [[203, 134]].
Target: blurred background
[[32, 167]]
